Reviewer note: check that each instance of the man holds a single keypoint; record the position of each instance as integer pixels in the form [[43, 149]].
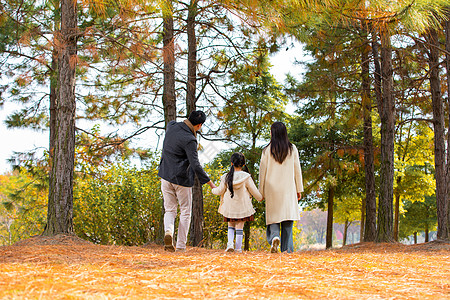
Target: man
[[177, 169]]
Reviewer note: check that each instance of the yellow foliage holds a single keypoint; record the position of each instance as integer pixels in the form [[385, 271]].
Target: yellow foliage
[[22, 208]]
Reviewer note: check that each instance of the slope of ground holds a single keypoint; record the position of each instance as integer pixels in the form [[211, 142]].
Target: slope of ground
[[69, 268]]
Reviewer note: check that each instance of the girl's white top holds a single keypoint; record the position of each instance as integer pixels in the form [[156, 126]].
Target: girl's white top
[[240, 206]]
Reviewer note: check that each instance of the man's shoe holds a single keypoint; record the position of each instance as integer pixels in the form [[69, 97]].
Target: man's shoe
[[275, 244], [168, 242]]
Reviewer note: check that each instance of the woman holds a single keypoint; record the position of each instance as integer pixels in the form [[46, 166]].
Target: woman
[[280, 183]]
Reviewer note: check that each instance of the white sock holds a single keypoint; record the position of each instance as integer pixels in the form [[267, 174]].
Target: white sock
[[231, 231], [239, 236]]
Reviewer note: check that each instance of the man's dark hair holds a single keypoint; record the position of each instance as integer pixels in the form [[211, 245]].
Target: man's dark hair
[[197, 117]]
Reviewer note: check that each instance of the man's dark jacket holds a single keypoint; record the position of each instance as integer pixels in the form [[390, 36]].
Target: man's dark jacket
[[179, 159]]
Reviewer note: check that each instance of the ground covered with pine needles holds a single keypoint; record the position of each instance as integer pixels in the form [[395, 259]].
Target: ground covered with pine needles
[[69, 268]]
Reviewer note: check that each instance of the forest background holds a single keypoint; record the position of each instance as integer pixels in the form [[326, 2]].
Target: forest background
[[369, 118]]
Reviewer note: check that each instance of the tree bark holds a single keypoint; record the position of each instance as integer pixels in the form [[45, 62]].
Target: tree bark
[[377, 74], [439, 134], [446, 234], [196, 235], [329, 237], [169, 100], [53, 104], [54, 86], [368, 228], [363, 219], [60, 199], [397, 209], [385, 206], [396, 215], [192, 58], [344, 238]]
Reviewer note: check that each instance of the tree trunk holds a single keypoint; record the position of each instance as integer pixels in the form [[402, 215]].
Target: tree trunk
[[329, 237], [363, 219], [397, 210], [53, 104], [344, 238], [427, 233], [53, 108], [250, 162], [396, 215], [446, 234], [377, 74], [60, 199], [439, 134], [169, 100], [415, 237], [196, 235], [368, 228], [54, 86], [192, 58], [385, 206]]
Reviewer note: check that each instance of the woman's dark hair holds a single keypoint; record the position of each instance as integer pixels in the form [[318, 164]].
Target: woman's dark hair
[[280, 146], [237, 160], [197, 117]]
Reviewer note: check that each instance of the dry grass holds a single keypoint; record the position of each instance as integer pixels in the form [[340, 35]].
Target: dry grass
[[68, 268]]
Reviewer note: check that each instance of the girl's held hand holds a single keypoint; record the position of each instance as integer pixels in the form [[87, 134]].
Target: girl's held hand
[[211, 184]]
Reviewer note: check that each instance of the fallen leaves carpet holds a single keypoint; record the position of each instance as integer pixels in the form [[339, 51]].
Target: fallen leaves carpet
[[69, 268]]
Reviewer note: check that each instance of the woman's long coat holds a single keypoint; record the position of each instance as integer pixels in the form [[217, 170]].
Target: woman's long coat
[[279, 185]]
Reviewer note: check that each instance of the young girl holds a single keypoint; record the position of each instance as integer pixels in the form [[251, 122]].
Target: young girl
[[235, 190]]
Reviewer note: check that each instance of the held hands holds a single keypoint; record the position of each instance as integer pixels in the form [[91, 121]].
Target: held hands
[[211, 184], [299, 195]]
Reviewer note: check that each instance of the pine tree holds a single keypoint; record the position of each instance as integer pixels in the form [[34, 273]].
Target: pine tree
[[60, 199]]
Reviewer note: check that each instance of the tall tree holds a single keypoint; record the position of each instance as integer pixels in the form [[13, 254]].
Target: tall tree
[[439, 133], [196, 232], [387, 114], [368, 221], [447, 63], [191, 86], [60, 200], [169, 97]]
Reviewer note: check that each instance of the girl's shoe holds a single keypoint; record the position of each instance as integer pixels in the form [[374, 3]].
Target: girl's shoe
[[229, 249]]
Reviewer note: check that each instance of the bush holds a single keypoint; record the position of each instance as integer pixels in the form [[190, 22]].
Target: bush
[[119, 205]]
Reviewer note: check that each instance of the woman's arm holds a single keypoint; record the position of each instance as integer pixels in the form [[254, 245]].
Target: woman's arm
[[262, 171], [298, 173]]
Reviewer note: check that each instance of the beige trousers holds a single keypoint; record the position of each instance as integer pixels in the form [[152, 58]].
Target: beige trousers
[[175, 195]]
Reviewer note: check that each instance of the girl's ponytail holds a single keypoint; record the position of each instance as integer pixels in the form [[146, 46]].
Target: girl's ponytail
[[238, 160], [229, 180]]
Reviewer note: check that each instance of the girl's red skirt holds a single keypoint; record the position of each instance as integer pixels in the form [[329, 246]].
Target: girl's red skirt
[[250, 218]]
